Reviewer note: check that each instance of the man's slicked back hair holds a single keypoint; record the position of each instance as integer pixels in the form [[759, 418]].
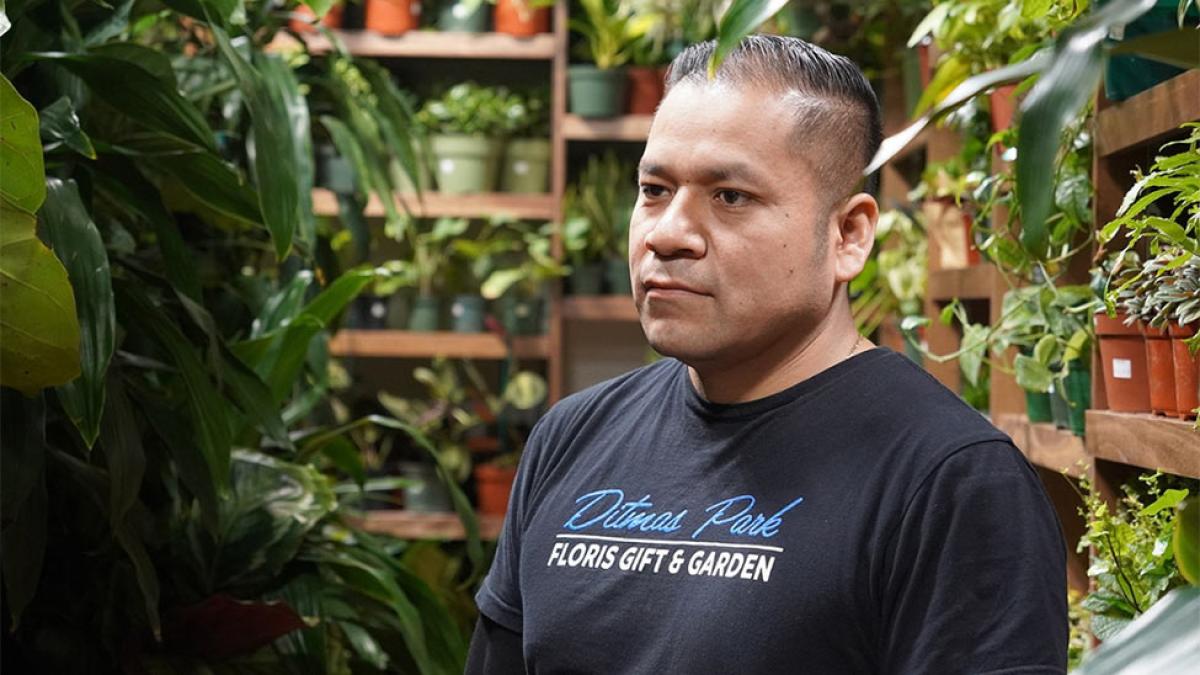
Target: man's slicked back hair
[[838, 128]]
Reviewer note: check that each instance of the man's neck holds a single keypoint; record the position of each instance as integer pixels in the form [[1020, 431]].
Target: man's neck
[[781, 366]]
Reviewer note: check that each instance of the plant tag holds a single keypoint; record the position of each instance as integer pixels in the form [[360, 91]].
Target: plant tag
[[1122, 369], [460, 11], [378, 309], [446, 166], [456, 310], [520, 167]]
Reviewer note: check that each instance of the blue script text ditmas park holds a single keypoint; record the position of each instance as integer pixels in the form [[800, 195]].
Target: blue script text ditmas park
[[608, 510]]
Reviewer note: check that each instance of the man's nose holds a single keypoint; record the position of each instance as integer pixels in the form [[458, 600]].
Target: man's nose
[[676, 233]]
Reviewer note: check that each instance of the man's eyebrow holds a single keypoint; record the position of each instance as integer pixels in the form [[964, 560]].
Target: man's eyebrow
[[717, 173]]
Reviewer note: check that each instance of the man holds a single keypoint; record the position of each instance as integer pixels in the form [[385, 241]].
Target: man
[[778, 496]]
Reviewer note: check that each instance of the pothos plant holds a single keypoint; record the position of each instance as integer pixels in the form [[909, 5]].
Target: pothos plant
[[172, 485]]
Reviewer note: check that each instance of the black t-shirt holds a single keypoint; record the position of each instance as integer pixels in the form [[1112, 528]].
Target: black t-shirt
[[864, 520]]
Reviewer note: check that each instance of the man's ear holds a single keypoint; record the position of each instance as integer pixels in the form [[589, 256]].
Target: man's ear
[[855, 226]]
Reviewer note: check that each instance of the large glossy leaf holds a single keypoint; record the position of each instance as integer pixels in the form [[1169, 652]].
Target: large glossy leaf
[[124, 455], [741, 19], [39, 331], [213, 183], [1163, 641], [71, 233], [140, 95], [60, 124], [20, 151], [331, 301], [221, 626], [208, 410], [143, 567], [1186, 541], [970, 88], [278, 77], [175, 432], [225, 10], [113, 26], [1067, 84], [274, 155]]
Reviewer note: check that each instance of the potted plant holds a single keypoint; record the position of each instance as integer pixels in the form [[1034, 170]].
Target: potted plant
[[521, 273], [465, 127], [1181, 306], [392, 17], [646, 77], [462, 16], [584, 247], [527, 150], [524, 391], [610, 29], [605, 196], [522, 18], [424, 270], [303, 18]]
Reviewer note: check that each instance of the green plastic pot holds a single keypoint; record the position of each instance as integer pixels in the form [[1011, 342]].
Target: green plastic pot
[[1126, 75], [1079, 394], [526, 166], [456, 17], [1037, 406], [424, 314], [397, 311], [465, 164], [427, 493], [522, 315], [466, 313], [616, 273], [587, 278], [1060, 410], [596, 93]]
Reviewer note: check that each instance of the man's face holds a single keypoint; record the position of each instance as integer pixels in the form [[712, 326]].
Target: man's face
[[727, 220]]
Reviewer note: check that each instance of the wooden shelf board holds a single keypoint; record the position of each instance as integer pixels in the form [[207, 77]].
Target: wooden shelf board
[[416, 344], [1045, 445], [599, 308], [430, 44], [418, 525], [436, 204], [1149, 115], [969, 283], [626, 128], [1144, 440]]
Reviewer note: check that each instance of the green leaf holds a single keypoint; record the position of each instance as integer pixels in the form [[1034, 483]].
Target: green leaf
[[74, 237], [20, 151], [1179, 47], [124, 456], [741, 19], [525, 390], [1168, 500], [278, 77], [39, 330], [364, 645], [1161, 641], [190, 461], [140, 95], [500, 281], [59, 123], [213, 183], [1032, 374], [1054, 101], [951, 73], [116, 24], [154, 62], [346, 457], [24, 541], [209, 410], [225, 10], [274, 152], [1186, 541], [331, 301], [930, 23], [1043, 351], [143, 568]]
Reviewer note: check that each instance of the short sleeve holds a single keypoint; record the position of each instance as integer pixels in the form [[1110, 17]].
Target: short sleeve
[[499, 597], [976, 577]]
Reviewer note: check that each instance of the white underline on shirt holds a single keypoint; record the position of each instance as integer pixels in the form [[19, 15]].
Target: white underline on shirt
[[718, 544]]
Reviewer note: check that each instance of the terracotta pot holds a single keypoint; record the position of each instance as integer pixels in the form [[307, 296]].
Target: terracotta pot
[[493, 485], [1161, 366], [1187, 371], [332, 19], [392, 17], [1123, 356], [518, 18], [646, 86], [1003, 104], [973, 256]]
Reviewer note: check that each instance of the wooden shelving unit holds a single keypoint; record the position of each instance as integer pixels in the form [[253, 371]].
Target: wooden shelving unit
[[414, 344], [436, 204], [599, 308], [978, 282], [632, 128], [1147, 441], [1149, 116], [432, 526], [431, 44], [1053, 449]]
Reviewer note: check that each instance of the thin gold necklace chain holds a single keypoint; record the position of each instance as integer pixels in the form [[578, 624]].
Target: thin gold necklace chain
[[854, 347]]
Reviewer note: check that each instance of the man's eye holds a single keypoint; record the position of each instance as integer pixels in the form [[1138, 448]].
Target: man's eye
[[653, 191], [732, 197]]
